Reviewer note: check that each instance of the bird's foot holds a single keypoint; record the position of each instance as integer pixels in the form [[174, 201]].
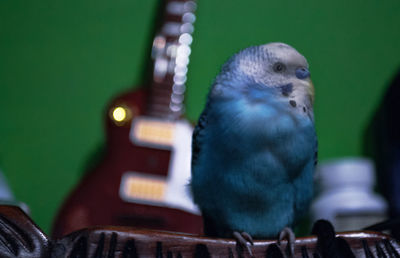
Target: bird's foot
[[288, 234], [244, 240]]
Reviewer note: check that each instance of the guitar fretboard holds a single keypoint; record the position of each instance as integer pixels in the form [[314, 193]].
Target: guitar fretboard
[[170, 53]]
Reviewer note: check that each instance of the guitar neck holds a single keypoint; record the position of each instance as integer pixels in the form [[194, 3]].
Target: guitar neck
[[170, 55]]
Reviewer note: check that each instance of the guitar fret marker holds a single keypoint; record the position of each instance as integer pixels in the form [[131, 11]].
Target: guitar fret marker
[[179, 8], [179, 79], [182, 60], [181, 70], [186, 39], [188, 17], [183, 50], [175, 107], [190, 6], [177, 98], [186, 28], [179, 88]]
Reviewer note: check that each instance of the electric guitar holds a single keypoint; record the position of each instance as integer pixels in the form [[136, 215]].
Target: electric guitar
[[142, 179]]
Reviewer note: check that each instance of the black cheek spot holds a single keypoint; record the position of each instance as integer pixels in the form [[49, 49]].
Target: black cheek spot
[[293, 103], [304, 109], [286, 89]]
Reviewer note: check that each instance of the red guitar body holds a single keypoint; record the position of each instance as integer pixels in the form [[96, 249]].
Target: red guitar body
[[96, 200], [141, 180]]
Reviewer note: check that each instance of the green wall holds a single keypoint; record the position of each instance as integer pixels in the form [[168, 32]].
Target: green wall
[[62, 61]]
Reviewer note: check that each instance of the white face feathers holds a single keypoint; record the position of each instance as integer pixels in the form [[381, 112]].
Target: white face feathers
[[272, 64], [275, 66]]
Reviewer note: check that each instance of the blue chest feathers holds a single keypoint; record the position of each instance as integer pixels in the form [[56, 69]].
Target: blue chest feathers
[[256, 163], [262, 131]]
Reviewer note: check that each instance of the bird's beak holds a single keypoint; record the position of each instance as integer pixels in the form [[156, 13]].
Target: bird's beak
[[310, 89], [303, 74]]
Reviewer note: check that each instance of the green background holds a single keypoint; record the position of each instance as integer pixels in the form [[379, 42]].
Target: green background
[[62, 61]]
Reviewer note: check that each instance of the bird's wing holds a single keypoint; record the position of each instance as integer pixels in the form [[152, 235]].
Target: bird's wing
[[198, 135]]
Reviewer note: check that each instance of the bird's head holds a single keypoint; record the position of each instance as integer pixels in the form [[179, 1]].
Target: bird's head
[[271, 65]]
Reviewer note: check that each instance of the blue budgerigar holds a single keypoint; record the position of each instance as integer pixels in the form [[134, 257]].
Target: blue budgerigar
[[254, 148]]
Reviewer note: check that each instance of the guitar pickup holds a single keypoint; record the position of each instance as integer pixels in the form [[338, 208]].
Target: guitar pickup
[[150, 132]]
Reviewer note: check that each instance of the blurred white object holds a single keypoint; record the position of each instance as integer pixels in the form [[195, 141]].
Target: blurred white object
[[5, 191], [7, 197], [346, 196]]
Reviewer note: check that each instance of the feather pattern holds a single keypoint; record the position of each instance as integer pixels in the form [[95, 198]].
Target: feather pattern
[[254, 147]]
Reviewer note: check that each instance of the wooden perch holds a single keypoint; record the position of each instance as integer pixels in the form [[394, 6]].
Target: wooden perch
[[20, 237]]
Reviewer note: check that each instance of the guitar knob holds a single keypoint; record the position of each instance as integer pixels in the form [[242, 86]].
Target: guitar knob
[[121, 114]]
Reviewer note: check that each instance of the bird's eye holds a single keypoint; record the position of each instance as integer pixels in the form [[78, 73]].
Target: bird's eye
[[279, 67]]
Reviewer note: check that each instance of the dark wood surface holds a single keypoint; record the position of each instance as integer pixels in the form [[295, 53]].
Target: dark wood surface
[[128, 242], [20, 237]]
